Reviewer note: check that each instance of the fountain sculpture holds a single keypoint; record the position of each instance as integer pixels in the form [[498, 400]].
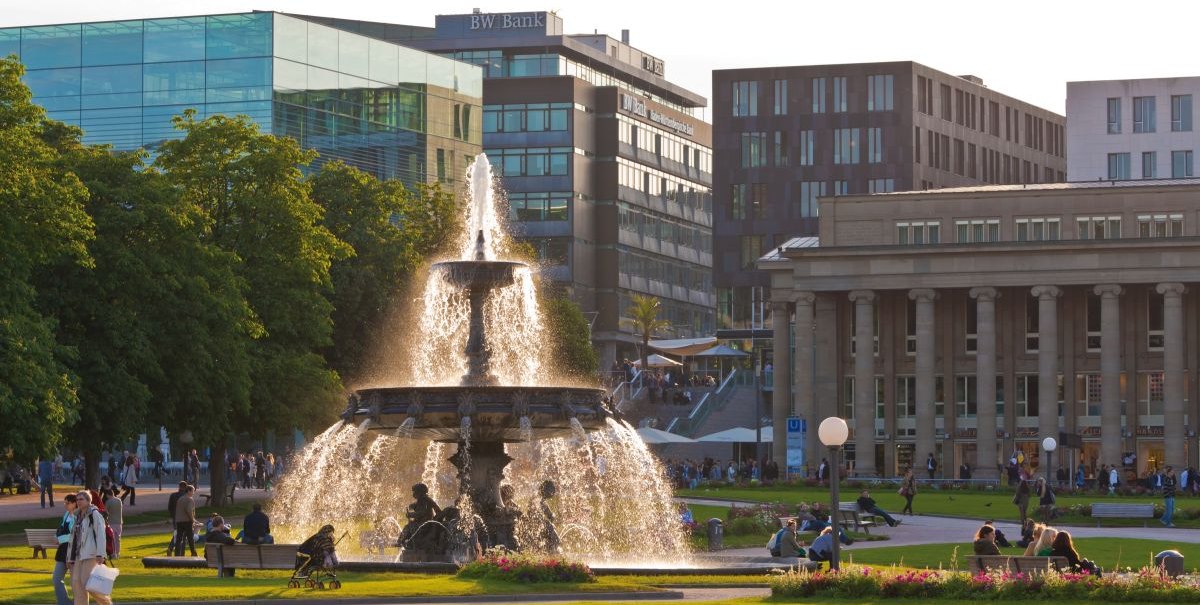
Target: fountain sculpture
[[536, 464]]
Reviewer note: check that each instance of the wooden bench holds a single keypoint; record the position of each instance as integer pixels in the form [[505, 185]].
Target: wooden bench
[[851, 515], [229, 489], [42, 540], [1116, 510], [1015, 564], [227, 558]]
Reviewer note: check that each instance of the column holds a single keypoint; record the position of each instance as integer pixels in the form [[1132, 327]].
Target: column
[[781, 399], [985, 382], [1173, 438], [804, 395], [1110, 372], [926, 427], [864, 382], [1047, 365]]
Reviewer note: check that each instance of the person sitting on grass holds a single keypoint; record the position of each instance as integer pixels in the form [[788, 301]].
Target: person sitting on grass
[[867, 504], [1029, 532], [985, 541], [822, 547], [1064, 547]]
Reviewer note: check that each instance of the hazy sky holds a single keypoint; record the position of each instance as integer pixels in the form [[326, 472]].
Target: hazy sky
[[1022, 48]]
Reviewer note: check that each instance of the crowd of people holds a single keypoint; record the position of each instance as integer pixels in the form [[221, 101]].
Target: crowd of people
[[1037, 540], [690, 474]]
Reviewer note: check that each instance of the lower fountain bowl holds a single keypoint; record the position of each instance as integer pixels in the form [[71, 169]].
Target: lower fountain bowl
[[496, 412]]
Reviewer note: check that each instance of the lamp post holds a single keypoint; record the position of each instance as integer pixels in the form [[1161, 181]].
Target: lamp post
[[1049, 444], [833, 432]]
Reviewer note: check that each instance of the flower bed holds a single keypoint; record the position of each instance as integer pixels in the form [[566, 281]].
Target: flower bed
[[498, 564], [855, 581]]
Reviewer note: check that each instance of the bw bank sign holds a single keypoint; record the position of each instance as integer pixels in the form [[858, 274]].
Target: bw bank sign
[[637, 107], [492, 21]]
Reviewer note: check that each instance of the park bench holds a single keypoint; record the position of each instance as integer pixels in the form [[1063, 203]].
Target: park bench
[[1116, 510], [227, 558], [852, 516], [1027, 565], [42, 540], [229, 489]]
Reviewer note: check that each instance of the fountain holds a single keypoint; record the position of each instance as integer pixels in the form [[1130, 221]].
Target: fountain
[[516, 458]]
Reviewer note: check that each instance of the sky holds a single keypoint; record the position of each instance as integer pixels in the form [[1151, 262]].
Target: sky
[[1025, 49]]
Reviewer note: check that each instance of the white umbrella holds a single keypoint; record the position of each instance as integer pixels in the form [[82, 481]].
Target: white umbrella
[[654, 436], [738, 434], [658, 361]]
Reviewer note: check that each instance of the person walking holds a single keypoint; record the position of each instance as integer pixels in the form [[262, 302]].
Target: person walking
[[1169, 484], [45, 470], [185, 520], [1113, 478], [85, 549], [1046, 499], [1021, 499], [129, 479], [930, 465], [908, 489], [116, 518], [63, 533]]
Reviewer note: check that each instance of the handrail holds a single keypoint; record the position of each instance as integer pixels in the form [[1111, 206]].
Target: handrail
[[700, 412], [619, 398]]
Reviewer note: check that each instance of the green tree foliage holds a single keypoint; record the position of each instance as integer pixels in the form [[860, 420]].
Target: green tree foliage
[[42, 222], [643, 316], [391, 229], [253, 202], [570, 338]]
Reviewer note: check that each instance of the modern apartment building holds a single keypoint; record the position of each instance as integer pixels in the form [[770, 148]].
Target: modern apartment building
[[607, 164], [786, 136], [390, 110], [973, 323], [1131, 129]]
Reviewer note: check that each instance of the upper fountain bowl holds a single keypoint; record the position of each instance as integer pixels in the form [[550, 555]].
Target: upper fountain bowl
[[480, 274]]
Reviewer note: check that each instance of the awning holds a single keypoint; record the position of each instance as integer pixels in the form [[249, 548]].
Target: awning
[[658, 361], [738, 434], [656, 436], [721, 351], [684, 346]]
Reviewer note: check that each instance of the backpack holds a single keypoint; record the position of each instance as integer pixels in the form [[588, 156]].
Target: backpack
[[110, 541], [773, 543]]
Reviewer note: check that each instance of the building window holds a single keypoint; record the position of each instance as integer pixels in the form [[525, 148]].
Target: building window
[[809, 192], [879, 93], [910, 327], [1160, 225], [1181, 164], [751, 250], [972, 326], [881, 185], [1098, 227], [532, 161], [1114, 115], [874, 145], [845, 146], [1143, 114], [1088, 393], [1149, 164], [939, 396], [1038, 229], [754, 149], [944, 95], [1027, 395], [1181, 113], [906, 397], [848, 402], [737, 201], [978, 230], [532, 117], [841, 187], [818, 95], [745, 99], [781, 148], [839, 95], [1150, 393], [780, 97], [758, 200], [806, 148], [1093, 322], [539, 207], [917, 232], [1118, 166], [1032, 323], [1154, 320], [965, 396]]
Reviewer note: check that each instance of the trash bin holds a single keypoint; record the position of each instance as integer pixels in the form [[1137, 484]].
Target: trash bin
[[716, 534], [1169, 563]]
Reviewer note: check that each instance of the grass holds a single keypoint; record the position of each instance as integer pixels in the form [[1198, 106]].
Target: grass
[[968, 504], [1108, 553]]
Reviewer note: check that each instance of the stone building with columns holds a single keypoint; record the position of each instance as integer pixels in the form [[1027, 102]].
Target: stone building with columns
[[994, 317]]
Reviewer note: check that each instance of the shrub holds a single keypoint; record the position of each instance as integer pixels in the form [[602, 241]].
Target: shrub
[[499, 564]]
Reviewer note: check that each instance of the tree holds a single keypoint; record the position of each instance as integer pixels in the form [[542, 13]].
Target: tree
[[570, 338], [643, 316], [391, 230], [42, 222]]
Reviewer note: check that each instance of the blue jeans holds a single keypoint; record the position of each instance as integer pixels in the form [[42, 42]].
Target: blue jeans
[[60, 589], [1169, 511], [47, 493], [817, 526], [875, 510]]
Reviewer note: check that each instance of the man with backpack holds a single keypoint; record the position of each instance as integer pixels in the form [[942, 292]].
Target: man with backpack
[[785, 542]]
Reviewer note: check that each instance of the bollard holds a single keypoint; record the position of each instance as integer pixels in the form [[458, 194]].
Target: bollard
[[1169, 563], [716, 534]]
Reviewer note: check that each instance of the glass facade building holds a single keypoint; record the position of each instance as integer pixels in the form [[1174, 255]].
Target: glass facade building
[[390, 110]]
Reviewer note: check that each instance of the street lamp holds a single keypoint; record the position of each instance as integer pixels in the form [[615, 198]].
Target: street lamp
[[833, 432], [1049, 444]]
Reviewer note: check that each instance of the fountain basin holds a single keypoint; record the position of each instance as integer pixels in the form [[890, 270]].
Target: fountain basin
[[479, 273], [437, 413]]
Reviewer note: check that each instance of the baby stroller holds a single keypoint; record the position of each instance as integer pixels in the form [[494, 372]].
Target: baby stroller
[[316, 562]]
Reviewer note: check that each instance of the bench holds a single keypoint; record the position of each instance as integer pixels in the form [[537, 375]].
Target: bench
[[851, 515], [41, 540], [1115, 510], [229, 489], [227, 558], [1015, 564]]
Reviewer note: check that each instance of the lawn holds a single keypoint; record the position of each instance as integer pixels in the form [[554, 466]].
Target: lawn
[[1108, 553], [952, 503]]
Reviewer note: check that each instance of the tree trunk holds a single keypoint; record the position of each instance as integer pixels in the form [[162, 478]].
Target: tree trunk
[[91, 469], [645, 358], [216, 474]]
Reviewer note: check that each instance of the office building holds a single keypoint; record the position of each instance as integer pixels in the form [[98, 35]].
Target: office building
[[1131, 129], [973, 323], [392, 111]]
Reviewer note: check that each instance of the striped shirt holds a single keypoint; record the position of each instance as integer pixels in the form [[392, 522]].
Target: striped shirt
[[1168, 486]]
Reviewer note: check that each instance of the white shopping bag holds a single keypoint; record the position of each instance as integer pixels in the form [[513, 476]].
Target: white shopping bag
[[101, 580]]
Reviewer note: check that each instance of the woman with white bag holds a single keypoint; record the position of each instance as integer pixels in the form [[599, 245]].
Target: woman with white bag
[[86, 552]]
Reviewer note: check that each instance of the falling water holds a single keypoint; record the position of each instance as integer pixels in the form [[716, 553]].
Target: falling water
[[526, 429], [404, 431]]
